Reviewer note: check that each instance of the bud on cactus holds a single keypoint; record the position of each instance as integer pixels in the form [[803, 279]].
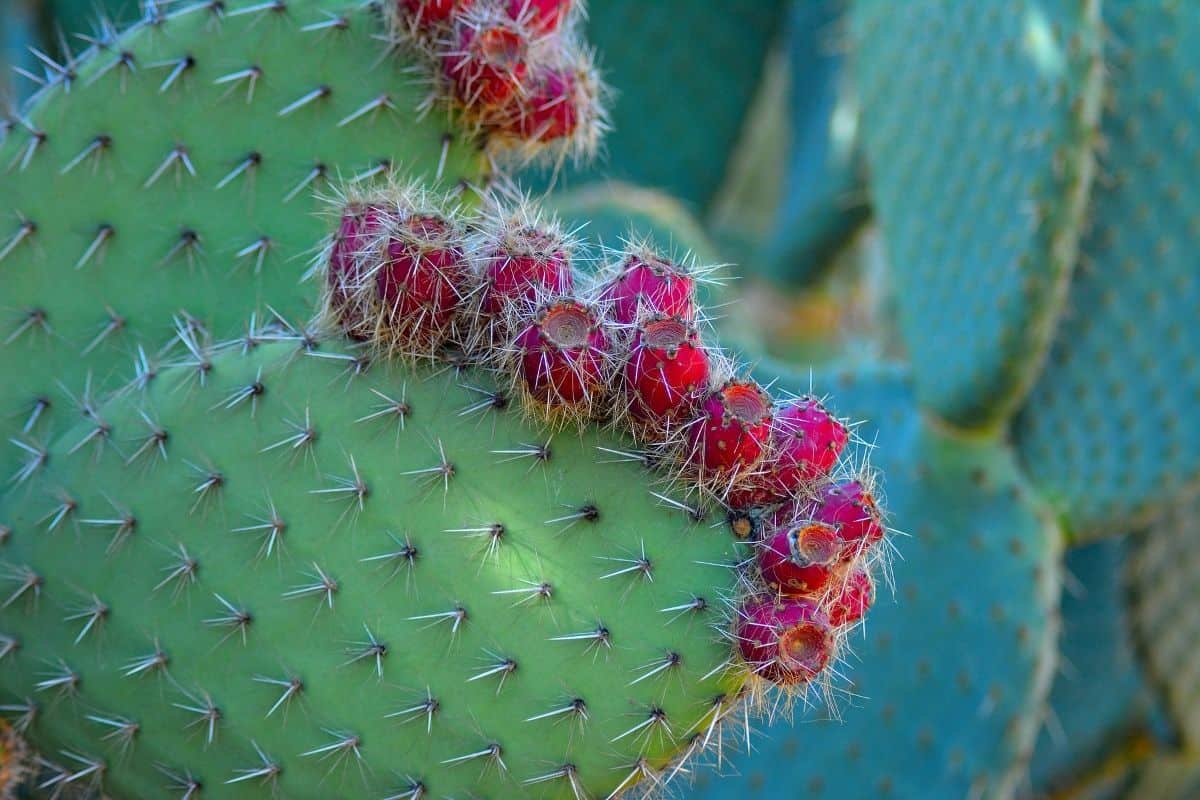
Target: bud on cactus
[[542, 16]]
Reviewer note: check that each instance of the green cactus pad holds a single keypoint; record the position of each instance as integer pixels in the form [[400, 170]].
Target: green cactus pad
[[825, 198], [324, 479], [1101, 708], [977, 122], [1162, 573], [1110, 431], [75, 303], [685, 75], [947, 698]]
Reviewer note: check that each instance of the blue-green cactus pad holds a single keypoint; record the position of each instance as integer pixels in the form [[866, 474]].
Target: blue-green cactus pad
[[978, 121], [948, 684], [685, 74], [825, 195], [1110, 431]]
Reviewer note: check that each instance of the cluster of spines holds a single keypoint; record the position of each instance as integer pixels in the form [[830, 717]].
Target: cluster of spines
[[516, 70], [407, 274]]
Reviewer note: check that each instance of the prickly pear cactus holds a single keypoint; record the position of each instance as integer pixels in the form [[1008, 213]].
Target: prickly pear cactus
[[946, 699], [978, 123], [360, 585], [1109, 430]]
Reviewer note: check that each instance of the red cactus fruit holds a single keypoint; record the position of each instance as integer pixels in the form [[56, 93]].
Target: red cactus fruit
[[542, 16], [550, 107], [422, 281], [851, 509], [786, 640], [563, 354], [666, 370], [854, 599], [800, 560], [806, 441], [361, 225], [489, 64], [733, 428], [426, 14], [650, 285], [529, 263]]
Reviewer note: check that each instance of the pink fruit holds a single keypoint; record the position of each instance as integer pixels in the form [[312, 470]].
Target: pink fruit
[[489, 66], [800, 560], [360, 227], [650, 285], [527, 265], [543, 16], [853, 601], [786, 640], [806, 441], [733, 428], [422, 281], [851, 509], [425, 14], [563, 354], [549, 109], [666, 370]]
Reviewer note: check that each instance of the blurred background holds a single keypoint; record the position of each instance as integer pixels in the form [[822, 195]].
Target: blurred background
[[972, 223]]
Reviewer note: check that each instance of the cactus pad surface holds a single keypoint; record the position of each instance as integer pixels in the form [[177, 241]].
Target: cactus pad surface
[[1110, 431], [978, 122], [463, 606]]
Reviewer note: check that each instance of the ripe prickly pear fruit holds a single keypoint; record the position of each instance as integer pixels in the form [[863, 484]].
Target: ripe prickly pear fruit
[[487, 62], [666, 370], [731, 433], [426, 15], [851, 509], [542, 16], [564, 356], [647, 283], [523, 259], [851, 600], [787, 640], [800, 561]]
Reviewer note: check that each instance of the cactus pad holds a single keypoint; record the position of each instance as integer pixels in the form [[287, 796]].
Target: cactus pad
[[173, 182], [977, 123], [947, 699], [1110, 430], [359, 544], [825, 197], [1162, 574], [687, 74]]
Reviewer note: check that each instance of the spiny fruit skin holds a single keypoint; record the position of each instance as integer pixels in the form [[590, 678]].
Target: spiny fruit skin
[[650, 285], [853, 598], [548, 109], [488, 65], [422, 280], [666, 370], [800, 561], [806, 442], [564, 354], [786, 640], [733, 430], [426, 14], [852, 510], [543, 16], [522, 265]]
